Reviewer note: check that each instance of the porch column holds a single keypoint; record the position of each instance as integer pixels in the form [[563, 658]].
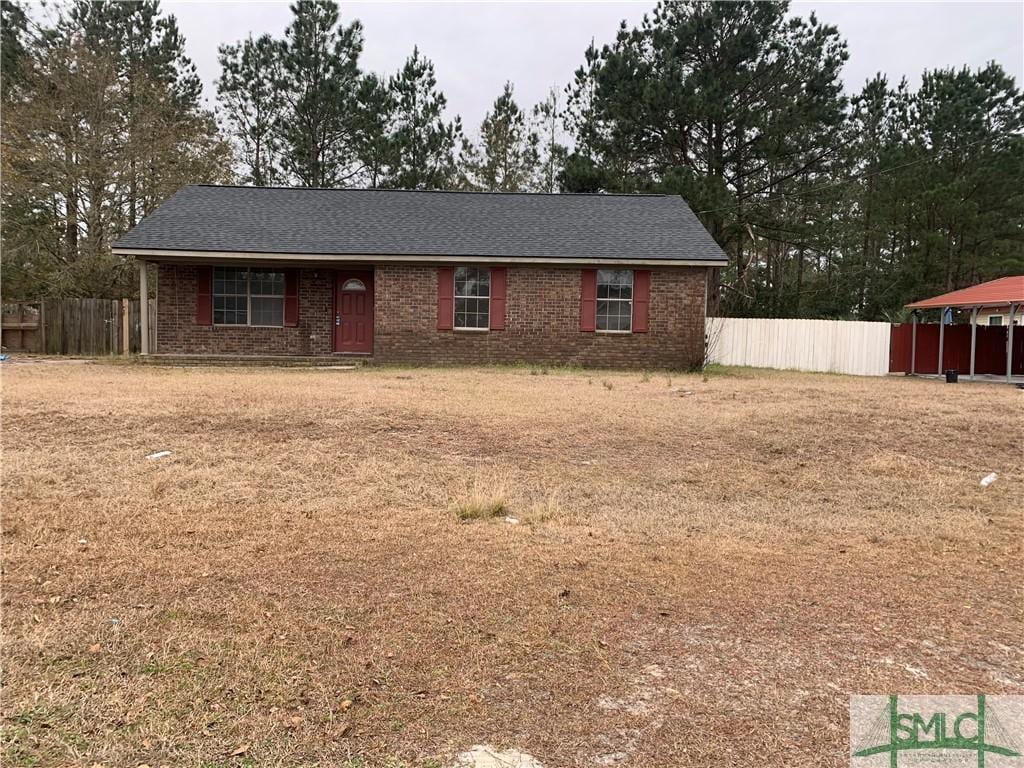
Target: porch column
[[144, 306], [913, 342], [974, 337], [942, 336], [1009, 345]]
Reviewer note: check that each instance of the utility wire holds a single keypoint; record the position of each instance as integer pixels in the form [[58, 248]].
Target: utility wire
[[853, 178]]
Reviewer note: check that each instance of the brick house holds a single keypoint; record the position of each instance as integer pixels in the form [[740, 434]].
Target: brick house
[[427, 277]]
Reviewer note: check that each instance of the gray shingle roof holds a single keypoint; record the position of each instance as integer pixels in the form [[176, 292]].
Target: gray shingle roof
[[408, 223]]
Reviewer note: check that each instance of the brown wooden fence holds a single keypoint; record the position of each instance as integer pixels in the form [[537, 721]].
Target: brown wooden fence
[[75, 326]]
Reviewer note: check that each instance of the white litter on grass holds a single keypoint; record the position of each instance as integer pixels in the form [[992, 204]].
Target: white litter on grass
[[612, 758], [988, 479], [512, 520], [485, 756], [159, 455], [915, 671], [654, 670]]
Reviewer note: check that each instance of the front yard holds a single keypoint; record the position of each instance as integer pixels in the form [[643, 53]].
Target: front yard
[[701, 571]]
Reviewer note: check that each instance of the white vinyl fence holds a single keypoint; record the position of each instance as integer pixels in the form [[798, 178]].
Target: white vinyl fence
[[829, 346]]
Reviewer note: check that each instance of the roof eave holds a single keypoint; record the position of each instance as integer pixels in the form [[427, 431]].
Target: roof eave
[[166, 254]]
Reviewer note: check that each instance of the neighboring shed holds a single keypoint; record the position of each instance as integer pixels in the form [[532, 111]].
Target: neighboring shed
[[1005, 294]]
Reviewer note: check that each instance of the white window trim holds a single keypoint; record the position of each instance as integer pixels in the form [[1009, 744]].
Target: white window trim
[[456, 297], [597, 300], [249, 296]]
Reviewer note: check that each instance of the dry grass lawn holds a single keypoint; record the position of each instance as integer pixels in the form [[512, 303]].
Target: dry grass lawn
[[702, 573]]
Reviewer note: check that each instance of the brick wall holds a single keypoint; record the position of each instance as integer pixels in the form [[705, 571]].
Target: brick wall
[[542, 321], [177, 332]]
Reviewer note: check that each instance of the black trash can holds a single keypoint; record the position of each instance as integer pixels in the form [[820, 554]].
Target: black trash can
[[952, 375]]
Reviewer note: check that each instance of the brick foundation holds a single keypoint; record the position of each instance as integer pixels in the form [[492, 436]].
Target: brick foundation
[[542, 321]]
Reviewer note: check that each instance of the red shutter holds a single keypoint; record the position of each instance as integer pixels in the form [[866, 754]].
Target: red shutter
[[291, 297], [204, 295], [498, 275], [445, 298], [588, 300], [641, 299]]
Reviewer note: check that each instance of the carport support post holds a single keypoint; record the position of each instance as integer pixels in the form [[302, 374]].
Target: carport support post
[[144, 306], [974, 337], [913, 342], [942, 334], [1009, 345]]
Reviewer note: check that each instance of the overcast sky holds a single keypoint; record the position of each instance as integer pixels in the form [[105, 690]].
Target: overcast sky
[[477, 46]]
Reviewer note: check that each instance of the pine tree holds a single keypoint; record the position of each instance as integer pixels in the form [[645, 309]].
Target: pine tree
[[319, 86], [105, 126], [728, 104], [424, 143], [552, 153], [251, 104], [13, 34], [160, 83], [375, 140], [508, 156]]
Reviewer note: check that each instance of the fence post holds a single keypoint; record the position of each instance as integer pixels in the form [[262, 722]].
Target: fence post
[[42, 326], [913, 342]]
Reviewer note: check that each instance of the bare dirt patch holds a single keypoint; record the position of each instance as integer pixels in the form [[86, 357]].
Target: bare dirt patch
[[698, 579]]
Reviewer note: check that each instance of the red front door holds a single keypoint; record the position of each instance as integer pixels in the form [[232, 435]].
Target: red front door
[[353, 312]]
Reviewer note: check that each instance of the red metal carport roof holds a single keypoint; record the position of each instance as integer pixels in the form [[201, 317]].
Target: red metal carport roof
[[994, 293]]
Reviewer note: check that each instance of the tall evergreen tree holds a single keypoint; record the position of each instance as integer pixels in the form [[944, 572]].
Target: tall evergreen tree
[[375, 140], [160, 82], [105, 126], [13, 35], [508, 155], [319, 85], [725, 103], [552, 152], [424, 143], [251, 103]]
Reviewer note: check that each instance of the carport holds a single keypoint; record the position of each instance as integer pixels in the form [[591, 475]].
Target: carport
[[1006, 294]]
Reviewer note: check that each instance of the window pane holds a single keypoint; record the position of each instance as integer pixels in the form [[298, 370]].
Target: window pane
[[472, 281], [267, 311], [265, 282], [230, 281], [615, 284], [472, 313], [614, 315], [229, 310], [230, 299]]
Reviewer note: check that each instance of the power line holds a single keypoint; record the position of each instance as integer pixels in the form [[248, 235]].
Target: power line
[[853, 178]]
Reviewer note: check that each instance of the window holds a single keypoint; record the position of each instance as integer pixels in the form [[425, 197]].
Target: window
[[614, 299], [995, 319], [472, 298], [248, 296], [353, 285]]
